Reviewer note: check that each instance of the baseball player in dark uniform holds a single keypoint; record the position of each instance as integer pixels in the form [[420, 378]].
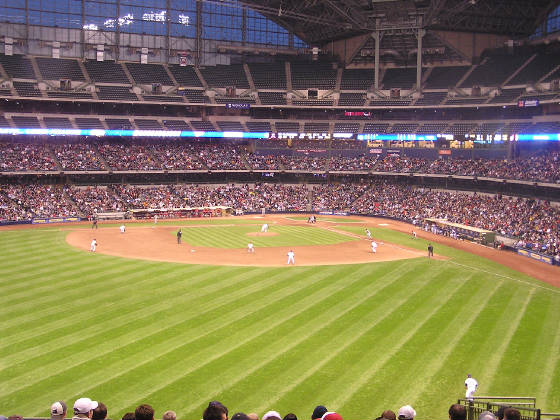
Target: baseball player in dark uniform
[[179, 235], [430, 250]]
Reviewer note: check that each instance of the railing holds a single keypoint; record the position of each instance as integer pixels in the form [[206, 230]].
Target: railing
[[525, 405]]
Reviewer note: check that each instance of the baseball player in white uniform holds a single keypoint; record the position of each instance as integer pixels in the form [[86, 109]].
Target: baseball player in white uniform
[[250, 247], [122, 228], [93, 246], [374, 247], [264, 228], [471, 385], [291, 256], [368, 234]]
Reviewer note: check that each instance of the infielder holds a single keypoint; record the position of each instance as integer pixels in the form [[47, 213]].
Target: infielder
[[470, 385], [122, 228], [374, 247], [414, 235], [264, 228], [93, 246], [291, 256], [250, 247], [368, 234]]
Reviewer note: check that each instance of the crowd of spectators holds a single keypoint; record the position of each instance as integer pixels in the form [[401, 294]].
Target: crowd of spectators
[[168, 155], [87, 409], [78, 157], [534, 224], [26, 157]]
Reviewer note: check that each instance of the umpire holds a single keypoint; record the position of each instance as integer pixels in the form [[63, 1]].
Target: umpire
[[179, 235], [430, 250]]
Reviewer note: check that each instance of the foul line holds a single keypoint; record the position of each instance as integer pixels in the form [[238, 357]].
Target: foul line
[[555, 290]]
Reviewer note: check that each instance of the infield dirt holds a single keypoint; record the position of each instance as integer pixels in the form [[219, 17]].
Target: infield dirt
[[159, 244]]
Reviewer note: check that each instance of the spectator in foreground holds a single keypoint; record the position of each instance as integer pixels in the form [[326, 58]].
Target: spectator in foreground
[[144, 412], [83, 408], [318, 412], [406, 412], [331, 415], [128, 416], [512, 414], [253, 416], [215, 411], [457, 412], [169, 415], [290, 416], [487, 415], [272, 415], [58, 410], [387, 415], [240, 416], [100, 412]]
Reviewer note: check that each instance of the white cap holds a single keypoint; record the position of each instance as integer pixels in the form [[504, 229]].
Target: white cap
[[272, 414], [84, 406], [407, 412], [58, 409]]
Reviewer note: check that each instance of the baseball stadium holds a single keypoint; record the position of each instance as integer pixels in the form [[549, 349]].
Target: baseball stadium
[[280, 209]]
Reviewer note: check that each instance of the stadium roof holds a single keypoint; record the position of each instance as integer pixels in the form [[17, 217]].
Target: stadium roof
[[319, 21]]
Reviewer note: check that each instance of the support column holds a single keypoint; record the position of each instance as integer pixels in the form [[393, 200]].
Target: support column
[[198, 40], [420, 35], [377, 37], [167, 31], [118, 32], [82, 30]]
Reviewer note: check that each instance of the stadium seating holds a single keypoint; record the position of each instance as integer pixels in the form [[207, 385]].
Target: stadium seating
[[120, 93], [185, 76], [313, 75], [148, 74], [272, 98], [268, 76], [224, 76], [106, 72], [357, 79], [17, 66], [27, 89], [445, 77], [57, 69]]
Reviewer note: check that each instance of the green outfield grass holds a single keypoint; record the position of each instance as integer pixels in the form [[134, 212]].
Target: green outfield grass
[[238, 236], [356, 338]]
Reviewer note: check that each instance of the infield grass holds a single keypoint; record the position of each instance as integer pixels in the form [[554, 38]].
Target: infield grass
[[357, 338]]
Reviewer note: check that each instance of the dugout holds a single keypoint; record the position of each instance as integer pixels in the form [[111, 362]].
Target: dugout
[[471, 233]]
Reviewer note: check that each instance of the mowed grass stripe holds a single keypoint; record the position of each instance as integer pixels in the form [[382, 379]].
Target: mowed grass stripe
[[112, 285], [471, 353], [78, 273], [113, 310], [300, 363], [88, 290], [243, 336], [145, 311], [523, 354], [330, 327], [439, 336], [515, 314], [290, 330], [548, 352], [398, 330], [166, 348]]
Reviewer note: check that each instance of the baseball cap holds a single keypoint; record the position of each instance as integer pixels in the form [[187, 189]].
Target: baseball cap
[[240, 416], [318, 412], [487, 415], [58, 409], [84, 405], [389, 415], [331, 415], [406, 412], [272, 415]]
